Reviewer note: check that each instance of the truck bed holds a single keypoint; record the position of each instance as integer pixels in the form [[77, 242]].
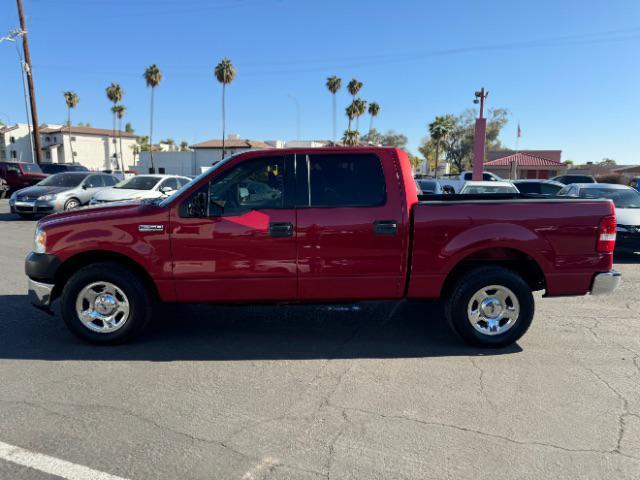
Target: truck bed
[[556, 236]]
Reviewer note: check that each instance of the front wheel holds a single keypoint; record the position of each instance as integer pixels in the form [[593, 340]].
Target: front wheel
[[72, 204], [105, 303], [490, 307]]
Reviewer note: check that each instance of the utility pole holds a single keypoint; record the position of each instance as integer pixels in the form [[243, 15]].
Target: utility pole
[[479, 136], [32, 95]]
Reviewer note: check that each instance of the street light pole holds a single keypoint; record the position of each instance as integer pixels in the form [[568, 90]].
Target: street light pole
[[32, 95], [479, 136]]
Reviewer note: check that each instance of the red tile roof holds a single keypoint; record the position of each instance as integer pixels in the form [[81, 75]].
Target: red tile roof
[[85, 131], [242, 143], [523, 160]]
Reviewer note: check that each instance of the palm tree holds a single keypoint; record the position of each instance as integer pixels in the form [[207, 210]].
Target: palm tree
[[374, 110], [120, 109], [361, 109], [114, 94], [153, 77], [352, 112], [334, 84], [224, 73], [72, 100], [354, 87], [351, 137], [439, 130], [184, 146]]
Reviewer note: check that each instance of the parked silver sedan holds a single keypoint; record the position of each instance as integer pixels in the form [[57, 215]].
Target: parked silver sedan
[[62, 191]]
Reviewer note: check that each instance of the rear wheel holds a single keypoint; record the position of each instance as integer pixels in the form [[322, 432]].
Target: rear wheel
[[490, 307], [105, 303]]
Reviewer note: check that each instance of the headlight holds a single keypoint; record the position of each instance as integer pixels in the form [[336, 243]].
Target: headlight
[[40, 241], [48, 197]]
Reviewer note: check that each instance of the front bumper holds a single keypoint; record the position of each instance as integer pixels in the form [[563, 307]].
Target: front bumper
[[40, 293], [605, 283], [31, 207]]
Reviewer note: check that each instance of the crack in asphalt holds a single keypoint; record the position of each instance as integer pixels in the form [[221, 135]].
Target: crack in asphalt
[[488, 434]]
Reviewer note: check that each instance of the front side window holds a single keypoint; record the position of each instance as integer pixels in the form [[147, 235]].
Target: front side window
[[353, 180], [94, 181], [31, 168], [62, 180], [251, 185], [140, 182], [171, 183]]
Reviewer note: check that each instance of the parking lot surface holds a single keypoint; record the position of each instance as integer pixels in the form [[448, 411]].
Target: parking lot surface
[[378, 390]]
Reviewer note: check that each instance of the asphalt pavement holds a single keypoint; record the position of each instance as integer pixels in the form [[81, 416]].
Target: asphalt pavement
[[380, 390]]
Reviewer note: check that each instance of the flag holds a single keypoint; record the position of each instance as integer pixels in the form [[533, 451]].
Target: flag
[[519, 131]]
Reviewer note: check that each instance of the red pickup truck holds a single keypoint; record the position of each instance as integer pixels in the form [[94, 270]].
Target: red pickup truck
[[321, 225]]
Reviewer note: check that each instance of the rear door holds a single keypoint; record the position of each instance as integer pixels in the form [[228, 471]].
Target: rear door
[[244, 248], [90, 186], [350, 231]]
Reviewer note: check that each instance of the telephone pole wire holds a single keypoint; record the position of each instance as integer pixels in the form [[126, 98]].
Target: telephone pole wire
[[32, 95]]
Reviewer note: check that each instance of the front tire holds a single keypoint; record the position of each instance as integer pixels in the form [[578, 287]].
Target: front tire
[[105, 303], [71, 204], [490, 307]]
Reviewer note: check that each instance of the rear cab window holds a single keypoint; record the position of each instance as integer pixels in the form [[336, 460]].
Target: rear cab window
[[341, 180]]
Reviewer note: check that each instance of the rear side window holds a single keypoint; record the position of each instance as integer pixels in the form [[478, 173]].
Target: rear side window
[[529, 187], [94, 181], [549, 188], [354, 180]]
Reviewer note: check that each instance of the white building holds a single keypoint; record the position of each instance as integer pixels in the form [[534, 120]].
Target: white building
[[15, 144], [95, 148], [202, 155]]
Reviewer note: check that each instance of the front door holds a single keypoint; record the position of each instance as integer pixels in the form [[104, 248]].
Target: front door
[[244, 248], [351, 234]]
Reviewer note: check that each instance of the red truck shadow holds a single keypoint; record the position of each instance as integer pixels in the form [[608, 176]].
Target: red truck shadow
[[220, 333]]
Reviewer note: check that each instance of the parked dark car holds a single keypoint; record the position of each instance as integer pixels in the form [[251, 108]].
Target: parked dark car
[[538, 187], [568, 179], [52, 168], [21, 174]]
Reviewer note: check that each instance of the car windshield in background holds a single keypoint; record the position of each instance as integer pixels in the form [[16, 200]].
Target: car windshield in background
[[31, 168], [475, 190], [139, 183], [63, 180], [621, 198]]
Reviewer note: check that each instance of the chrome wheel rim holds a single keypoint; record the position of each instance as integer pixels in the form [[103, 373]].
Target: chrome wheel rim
[[493, 310], [102, 307], [71, 204]]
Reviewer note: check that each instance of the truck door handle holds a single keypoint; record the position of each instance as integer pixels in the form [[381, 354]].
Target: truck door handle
[[280, 229], [385, 227]]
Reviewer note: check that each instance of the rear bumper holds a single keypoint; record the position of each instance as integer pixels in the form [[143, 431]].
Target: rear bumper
[[40, 294], [604, 283]]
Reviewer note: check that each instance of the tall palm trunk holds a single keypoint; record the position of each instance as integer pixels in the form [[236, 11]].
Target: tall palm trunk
[[371, 124], [435, 167], [151, 165], [120, 138], [113, 141], [69, 130], [334, 118], [223, 121]]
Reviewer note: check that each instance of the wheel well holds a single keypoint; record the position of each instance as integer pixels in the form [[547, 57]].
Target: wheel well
[[511, 259], [73, 264]]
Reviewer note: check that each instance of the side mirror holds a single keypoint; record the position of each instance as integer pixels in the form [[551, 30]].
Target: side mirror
[[198, 205], [166, 190], [84, 186]]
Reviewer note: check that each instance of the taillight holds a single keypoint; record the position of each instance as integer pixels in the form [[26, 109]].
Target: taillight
[[607, 234]]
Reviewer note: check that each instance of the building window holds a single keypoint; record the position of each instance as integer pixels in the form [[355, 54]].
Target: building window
[[12, 139], [14, 154], [73, 139], [48, 139], [48, 154], [55, 139]]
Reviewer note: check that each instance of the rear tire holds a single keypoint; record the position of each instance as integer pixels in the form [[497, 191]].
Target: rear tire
[[490, 307], [105, 303]]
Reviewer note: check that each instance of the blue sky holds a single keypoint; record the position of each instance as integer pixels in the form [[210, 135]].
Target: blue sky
[[568, 71]]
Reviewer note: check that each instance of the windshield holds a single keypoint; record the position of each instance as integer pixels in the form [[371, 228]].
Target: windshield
[[31, 168], [622, 198], [168, 200], [139, 183], [62, 180], [481, 189]]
